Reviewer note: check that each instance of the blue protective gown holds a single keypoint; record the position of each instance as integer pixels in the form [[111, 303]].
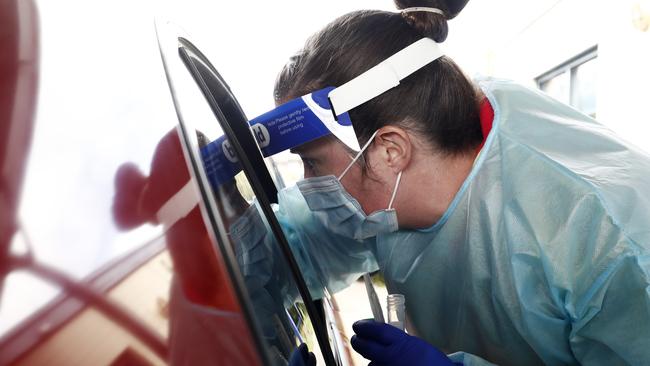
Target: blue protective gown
[[543, 257]]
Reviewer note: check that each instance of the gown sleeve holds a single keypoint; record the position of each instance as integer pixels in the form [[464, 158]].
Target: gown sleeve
[[614, 323]]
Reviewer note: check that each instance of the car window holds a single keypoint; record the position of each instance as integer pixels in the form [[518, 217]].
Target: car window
[[239, 190]]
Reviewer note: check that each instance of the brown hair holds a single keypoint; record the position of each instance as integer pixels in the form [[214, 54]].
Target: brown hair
[[438, 101]]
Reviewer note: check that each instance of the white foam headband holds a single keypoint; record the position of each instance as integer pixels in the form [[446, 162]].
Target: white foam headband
[[384, 76]]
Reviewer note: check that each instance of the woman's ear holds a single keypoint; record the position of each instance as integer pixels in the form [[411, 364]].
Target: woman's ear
[[395, 147]]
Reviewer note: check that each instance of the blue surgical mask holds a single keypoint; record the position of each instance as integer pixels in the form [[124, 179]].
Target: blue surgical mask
[[340, 212]]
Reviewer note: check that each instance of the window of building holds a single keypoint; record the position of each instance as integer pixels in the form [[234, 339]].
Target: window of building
[[574, 82]]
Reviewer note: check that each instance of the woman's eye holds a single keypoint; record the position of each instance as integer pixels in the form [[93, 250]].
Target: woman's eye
[[309, 164]]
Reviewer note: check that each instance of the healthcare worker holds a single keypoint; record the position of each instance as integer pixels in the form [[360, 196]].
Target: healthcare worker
[[517, 228]]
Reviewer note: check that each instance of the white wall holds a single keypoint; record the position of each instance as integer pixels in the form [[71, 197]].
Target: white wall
[[551, 32], [624, 89]]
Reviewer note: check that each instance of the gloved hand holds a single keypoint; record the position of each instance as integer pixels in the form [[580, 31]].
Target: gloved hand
[[302, 357], [385, 345]]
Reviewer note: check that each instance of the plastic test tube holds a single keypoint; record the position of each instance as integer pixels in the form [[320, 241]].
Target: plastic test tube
[[396, 308], [375, 306]]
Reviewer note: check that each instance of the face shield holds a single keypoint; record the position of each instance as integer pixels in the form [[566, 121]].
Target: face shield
[[321, 113]]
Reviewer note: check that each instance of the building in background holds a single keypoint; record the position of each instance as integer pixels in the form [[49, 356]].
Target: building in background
[[594, 55]]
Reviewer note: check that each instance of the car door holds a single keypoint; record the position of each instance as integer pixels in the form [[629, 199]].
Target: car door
[[238, 189]]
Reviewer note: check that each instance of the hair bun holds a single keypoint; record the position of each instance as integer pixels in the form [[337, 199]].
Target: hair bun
[[431, 25]]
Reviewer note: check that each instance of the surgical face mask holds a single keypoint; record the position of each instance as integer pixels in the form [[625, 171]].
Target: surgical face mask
[[340, 212], [320, 113]]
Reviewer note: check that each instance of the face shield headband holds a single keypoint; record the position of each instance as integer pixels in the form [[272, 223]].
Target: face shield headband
[[321, 113]]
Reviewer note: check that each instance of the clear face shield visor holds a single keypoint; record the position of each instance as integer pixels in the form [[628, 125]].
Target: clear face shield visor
[[321, 113]]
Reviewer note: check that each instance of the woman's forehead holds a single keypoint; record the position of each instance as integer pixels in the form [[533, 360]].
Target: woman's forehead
[[326, 144]]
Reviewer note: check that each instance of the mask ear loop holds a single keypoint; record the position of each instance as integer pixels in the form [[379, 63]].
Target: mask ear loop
[[358, 155], [392, 198]]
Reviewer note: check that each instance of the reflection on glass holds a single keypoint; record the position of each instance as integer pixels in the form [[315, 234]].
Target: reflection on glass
[[250, 251], [584, 86], [273, 294], [24, 289], [202, 318], [559, 87], [575, 84]]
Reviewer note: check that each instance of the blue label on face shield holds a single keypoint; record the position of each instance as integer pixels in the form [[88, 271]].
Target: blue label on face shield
[[295, 123], [289, 125], [320, 97], [220, 161]]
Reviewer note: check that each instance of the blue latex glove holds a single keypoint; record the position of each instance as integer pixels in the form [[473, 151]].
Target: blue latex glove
[[386, 345], [302, 357]]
